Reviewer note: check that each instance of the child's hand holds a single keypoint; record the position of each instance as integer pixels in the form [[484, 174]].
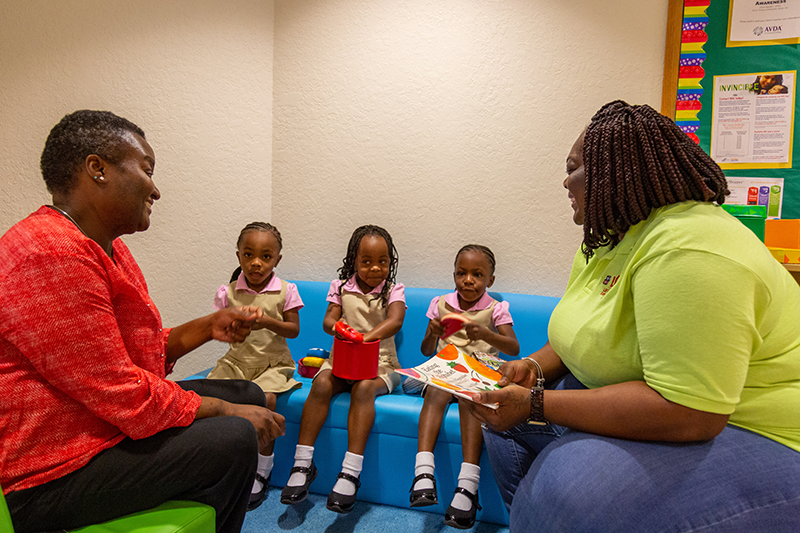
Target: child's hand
[[345, 332], [476, 332], [336, 333], [262, 322], [265, 322], [436, 327]]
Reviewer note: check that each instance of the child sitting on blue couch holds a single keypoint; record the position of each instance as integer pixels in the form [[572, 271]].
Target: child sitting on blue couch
[[366, 298], [490, 329]]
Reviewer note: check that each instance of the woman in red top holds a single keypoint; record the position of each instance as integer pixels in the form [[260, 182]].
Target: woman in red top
[[91, 429]]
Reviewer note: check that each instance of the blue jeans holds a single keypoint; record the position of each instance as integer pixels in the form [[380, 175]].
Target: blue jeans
[[555, 479]]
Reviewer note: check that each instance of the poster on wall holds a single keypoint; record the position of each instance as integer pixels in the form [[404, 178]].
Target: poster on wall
[[752, 123], [757, 191], [763, 22]]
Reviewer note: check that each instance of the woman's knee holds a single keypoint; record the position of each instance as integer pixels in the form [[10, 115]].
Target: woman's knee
[[231, 390], [234, 431], [229, 440], [252, 394]]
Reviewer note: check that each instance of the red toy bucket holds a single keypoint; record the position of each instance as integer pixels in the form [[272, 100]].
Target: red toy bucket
[[355, 360]]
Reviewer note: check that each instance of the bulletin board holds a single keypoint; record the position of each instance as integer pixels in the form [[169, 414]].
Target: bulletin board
[[696, 51]]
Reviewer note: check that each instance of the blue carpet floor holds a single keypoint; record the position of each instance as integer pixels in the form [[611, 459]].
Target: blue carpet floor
[[311, 515]]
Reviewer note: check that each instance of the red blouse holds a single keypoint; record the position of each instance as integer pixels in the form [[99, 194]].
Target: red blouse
[[82, 353]]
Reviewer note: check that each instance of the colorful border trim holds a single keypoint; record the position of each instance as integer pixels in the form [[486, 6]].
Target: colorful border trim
[[691, 72]]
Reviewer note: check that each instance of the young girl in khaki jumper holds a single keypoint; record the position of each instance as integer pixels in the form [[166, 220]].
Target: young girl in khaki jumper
[[490, 330], [367, 298], [263, 357]]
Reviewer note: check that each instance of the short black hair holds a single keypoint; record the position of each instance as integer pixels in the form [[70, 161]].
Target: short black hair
[[481, 249], [261, 226], [76, 137]]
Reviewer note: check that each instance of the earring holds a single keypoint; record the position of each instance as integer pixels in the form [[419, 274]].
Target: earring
[[98, 178]]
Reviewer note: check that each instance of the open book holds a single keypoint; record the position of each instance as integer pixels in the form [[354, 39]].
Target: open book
[[457, 373]]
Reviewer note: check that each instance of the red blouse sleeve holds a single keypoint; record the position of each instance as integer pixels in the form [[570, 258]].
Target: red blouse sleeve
[[90, 330]]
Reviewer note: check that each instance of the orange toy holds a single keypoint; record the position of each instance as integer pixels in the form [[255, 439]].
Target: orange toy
[[782, 233]]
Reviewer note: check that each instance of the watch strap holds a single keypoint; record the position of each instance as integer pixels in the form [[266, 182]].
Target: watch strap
[[537, 406]]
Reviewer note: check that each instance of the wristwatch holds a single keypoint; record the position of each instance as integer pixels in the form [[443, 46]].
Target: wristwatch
[[537, 406], [537, 397]]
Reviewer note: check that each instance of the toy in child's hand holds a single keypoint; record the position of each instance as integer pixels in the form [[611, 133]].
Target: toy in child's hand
[[348, 333], [451, 323], [309, 366]]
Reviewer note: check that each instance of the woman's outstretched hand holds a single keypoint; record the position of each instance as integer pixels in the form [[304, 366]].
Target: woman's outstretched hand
[[519, 372], [233, 324], [514, 407], [514, 399], [269, 424]]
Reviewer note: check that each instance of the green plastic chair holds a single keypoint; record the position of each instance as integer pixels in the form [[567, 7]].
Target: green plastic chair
[[169, 517]]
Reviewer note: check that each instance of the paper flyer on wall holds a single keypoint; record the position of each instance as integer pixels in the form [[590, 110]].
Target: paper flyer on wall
[[455, 372], [757, 191], [752, 122], [763, 22]]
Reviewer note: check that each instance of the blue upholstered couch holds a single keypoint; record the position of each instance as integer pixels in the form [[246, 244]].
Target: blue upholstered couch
[[392, 446]]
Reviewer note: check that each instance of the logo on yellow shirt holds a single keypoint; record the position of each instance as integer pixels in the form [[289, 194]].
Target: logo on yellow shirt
[[608, 282]]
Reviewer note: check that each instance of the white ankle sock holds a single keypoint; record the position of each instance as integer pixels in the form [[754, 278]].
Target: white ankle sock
[[351, 465], [468, 478], [264, 468], [302, 457], [424, 465]]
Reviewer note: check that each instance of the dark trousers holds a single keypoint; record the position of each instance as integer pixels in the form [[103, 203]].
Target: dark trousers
[[212, 461]]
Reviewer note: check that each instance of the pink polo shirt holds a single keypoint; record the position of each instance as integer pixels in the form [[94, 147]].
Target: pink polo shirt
[[397, 294], [500, 313], [293, 300]]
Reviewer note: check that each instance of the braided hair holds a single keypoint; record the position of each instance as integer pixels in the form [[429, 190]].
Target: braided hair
[[481, 249], [348, 268], [256, 226], [637, 160]]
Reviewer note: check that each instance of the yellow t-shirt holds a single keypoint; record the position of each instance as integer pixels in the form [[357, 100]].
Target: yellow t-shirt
[[692, 303]]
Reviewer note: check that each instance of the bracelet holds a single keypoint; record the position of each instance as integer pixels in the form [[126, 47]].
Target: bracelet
[[537, 397], [535, 367]]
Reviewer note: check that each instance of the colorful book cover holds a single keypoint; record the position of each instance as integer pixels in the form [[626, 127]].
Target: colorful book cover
[[457, 373]]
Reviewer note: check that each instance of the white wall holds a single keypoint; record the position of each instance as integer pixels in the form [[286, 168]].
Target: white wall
[[196, 75], [447, 122]]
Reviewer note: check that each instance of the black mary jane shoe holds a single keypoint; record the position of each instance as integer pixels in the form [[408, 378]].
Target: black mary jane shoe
[[340, 503], [462, 519], [257, 498], [296, 494], [423, 497]]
